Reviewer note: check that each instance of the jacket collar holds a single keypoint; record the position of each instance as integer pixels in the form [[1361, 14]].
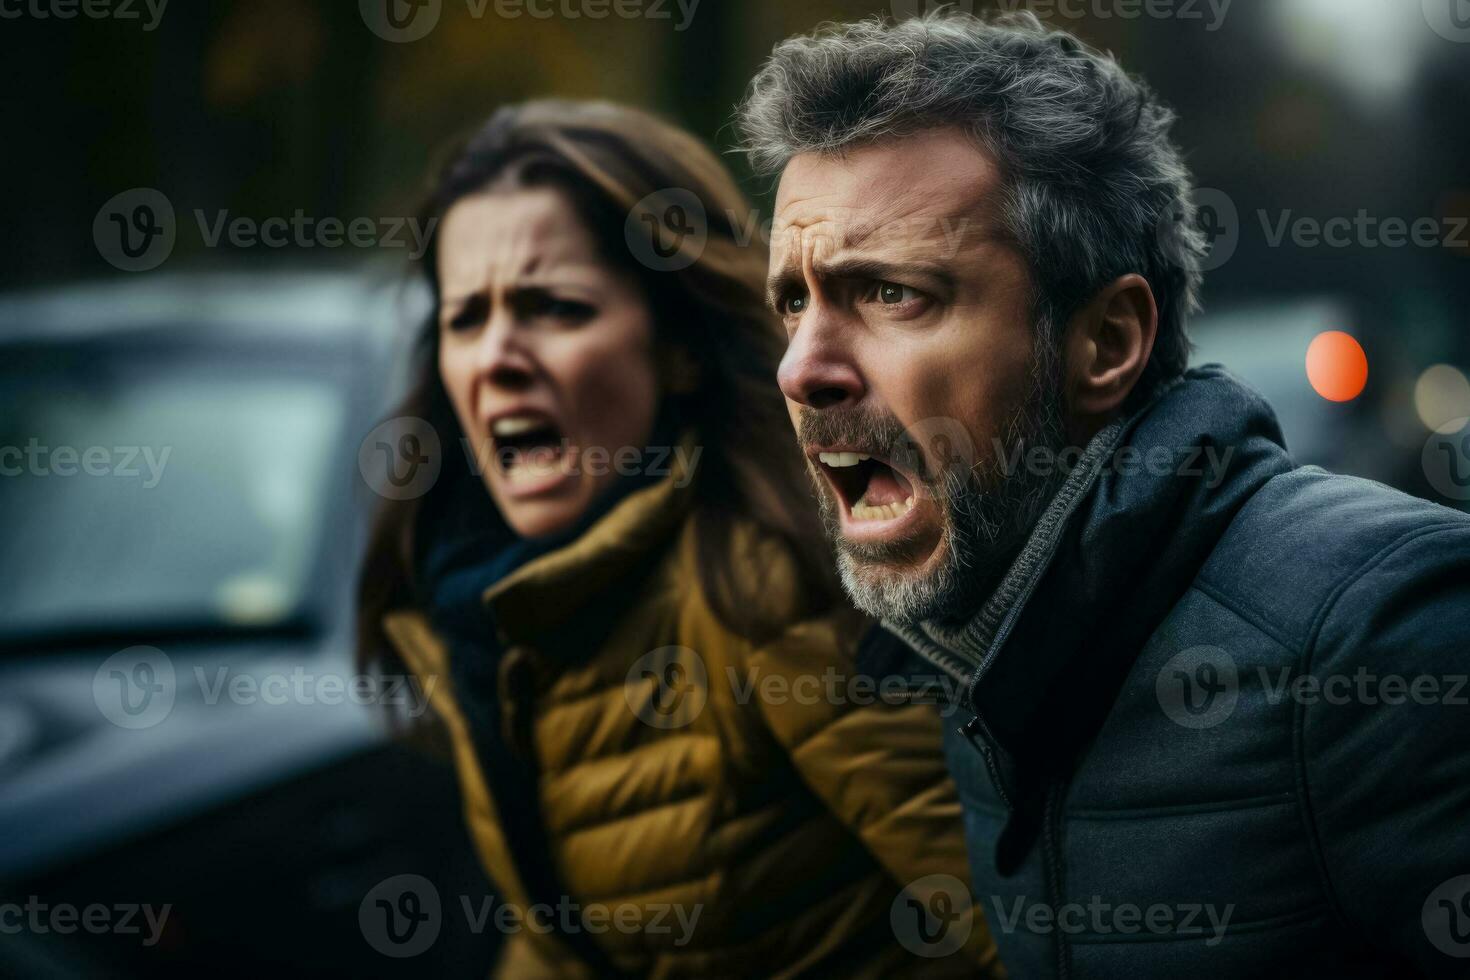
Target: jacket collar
[[1115, 551], [550, 590]]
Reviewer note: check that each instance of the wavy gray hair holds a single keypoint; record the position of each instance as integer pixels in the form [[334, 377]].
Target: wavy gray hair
[[1093, 186]]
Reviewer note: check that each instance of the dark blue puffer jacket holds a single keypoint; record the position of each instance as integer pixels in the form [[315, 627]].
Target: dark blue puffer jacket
[[1216, 718]]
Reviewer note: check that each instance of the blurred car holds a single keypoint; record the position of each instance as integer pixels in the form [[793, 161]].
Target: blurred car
[[181, 515], [1266, 346], [1376, 435]]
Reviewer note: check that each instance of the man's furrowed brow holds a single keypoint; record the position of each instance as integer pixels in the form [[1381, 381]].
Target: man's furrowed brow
[[789, 279], [781, 282], [873, 269]]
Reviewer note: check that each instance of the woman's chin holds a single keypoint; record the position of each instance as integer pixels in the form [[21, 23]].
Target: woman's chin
[[539, 520], [555, 508]]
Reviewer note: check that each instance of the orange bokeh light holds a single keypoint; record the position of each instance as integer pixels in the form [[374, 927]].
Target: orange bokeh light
[[1337, 366]]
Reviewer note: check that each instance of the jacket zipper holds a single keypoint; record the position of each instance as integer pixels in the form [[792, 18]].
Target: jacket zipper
[[1051, 870], [978, 736]]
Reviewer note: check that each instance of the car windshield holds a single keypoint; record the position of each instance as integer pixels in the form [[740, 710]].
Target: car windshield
[[158, 487]]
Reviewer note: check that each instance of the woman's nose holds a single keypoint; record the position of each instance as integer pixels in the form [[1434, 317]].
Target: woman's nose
[[502, 357]]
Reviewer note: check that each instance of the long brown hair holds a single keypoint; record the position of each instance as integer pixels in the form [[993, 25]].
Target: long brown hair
[[707, 301]]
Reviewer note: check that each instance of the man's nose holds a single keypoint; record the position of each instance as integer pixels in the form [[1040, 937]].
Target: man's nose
[[818, 370]]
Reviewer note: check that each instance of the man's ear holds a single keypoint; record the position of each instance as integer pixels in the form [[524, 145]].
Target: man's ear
[[1107, 345]]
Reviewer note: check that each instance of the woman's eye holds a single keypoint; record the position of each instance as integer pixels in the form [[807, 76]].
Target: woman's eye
[[470, 314], [564, 309]]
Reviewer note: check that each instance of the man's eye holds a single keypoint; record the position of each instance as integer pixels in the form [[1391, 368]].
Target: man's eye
[[793, 305], [891, 293]]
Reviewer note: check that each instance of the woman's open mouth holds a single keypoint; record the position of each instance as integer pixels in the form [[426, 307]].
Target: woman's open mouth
[[877, 500], [530, 453]]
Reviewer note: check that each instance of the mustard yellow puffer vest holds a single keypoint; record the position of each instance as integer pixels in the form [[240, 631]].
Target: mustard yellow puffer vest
[[708, 806]]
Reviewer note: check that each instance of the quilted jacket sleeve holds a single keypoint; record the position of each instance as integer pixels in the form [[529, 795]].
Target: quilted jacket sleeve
[[878, 766], [1386, 749]]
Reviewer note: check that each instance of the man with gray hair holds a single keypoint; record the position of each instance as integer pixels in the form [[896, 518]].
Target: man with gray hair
[[1187, 741]]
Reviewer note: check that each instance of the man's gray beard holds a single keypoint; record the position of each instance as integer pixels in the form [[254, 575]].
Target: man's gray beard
[[988, 514]]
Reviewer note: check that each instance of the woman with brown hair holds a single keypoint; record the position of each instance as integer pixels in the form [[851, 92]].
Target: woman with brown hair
[[620, 590]]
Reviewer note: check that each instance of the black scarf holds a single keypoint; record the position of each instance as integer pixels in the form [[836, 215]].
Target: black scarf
[[465, 547]]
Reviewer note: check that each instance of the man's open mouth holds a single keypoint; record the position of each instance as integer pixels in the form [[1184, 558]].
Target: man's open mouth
[[528, 447], [870, 488]]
